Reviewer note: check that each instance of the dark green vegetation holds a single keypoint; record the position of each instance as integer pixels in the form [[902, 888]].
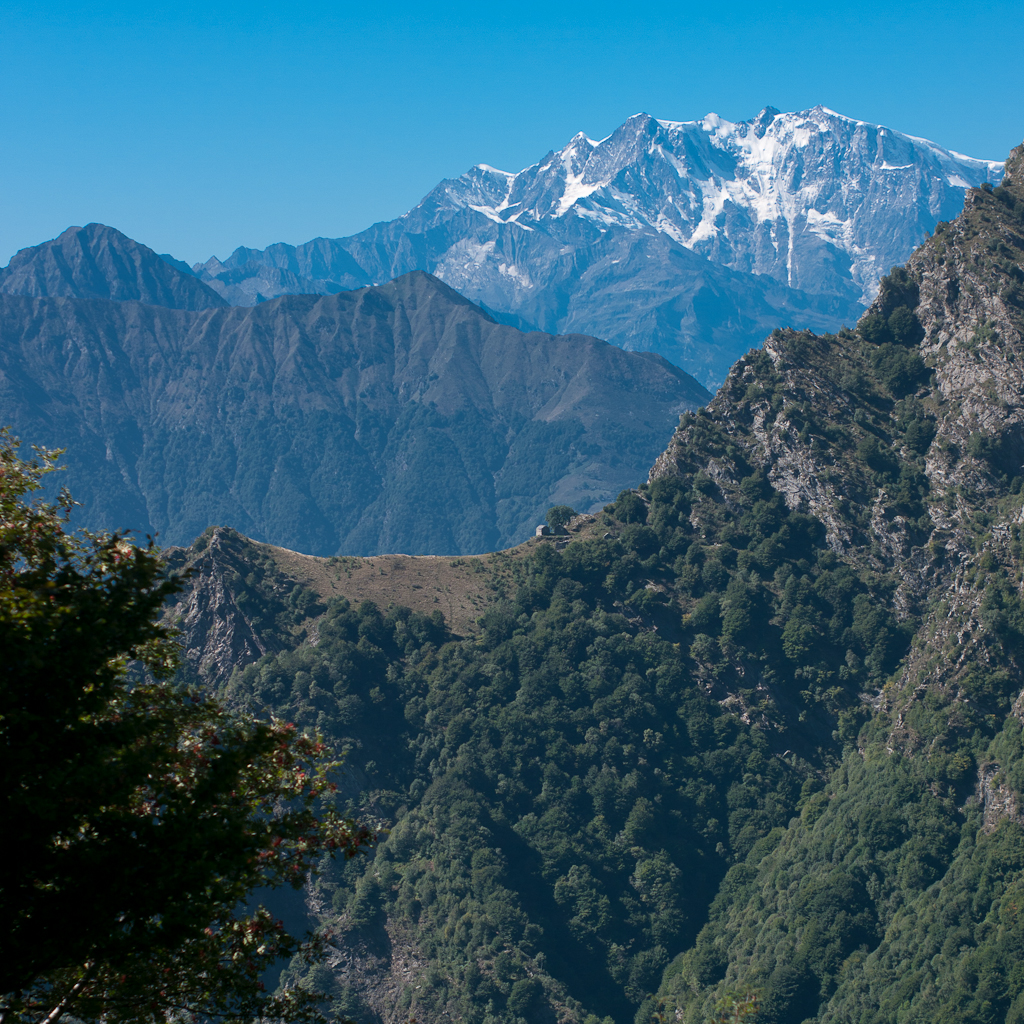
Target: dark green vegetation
[[568, 786], [895, 894], [137, 815], [398, 418], [564, 789], [754, 734], [559, 516]]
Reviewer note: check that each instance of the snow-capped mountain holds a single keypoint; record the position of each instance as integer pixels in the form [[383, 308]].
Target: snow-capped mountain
[[692, 239], [779, 195]]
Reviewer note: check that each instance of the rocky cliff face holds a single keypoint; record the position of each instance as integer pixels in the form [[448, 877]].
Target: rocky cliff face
[[905, 440], [951, 403], [399, 418], [226, 616], [97, 262], [692, 239]]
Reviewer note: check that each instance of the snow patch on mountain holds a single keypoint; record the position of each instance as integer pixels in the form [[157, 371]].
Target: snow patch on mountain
[[693, 239], [706, 183]]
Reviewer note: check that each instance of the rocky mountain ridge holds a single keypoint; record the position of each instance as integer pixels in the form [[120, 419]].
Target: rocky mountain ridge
[[393, 418], [692, 239], [916, 482], [781, 195], [99, 262]]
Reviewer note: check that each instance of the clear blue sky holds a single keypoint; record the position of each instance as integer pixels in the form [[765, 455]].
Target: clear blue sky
[[197, 127]]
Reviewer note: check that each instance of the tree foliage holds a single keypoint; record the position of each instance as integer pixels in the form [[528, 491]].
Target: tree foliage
[[566, 788], [137, 815], [559, 515]]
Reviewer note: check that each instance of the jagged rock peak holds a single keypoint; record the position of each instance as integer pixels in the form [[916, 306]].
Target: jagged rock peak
[[99, 262], [843, 181], [763, 120], [217, 634], [1015, 167], [929, 387]]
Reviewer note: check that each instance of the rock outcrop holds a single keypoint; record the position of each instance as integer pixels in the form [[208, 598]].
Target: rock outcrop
[[221, 615]]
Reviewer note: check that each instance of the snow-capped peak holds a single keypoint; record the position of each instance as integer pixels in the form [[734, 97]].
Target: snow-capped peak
[[780, 194]]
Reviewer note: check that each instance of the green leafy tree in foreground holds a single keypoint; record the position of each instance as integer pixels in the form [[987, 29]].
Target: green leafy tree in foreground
[[137, 816]]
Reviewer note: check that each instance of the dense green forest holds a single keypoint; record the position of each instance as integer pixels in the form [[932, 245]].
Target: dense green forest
[[894, 895], [563, 789], [751, 739], [566, 788]]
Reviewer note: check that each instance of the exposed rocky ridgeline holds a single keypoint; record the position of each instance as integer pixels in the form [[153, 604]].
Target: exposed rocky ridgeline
[[398, 418], [896, 891], [905, 439], [243, 599], [692, 239], [97, 262], [238, 606]]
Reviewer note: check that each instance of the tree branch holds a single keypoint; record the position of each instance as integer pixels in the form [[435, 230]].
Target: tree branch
[[58, 1011]]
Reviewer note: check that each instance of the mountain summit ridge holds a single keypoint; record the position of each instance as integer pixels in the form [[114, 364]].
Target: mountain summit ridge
[[765, 149], [689, 238], [100, 262], [398, 417]]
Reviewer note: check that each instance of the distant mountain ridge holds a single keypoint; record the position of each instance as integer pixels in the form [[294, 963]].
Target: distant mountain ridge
[[692, 239], [99, 262], [395, 418]]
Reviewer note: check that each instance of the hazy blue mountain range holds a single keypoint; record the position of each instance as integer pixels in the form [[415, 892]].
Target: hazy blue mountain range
[[394, 418], [97, 262], [691, 239]]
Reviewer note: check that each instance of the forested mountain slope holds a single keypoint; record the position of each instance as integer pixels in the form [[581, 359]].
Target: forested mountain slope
[[753, 732], [398, 418], [895, 894]]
